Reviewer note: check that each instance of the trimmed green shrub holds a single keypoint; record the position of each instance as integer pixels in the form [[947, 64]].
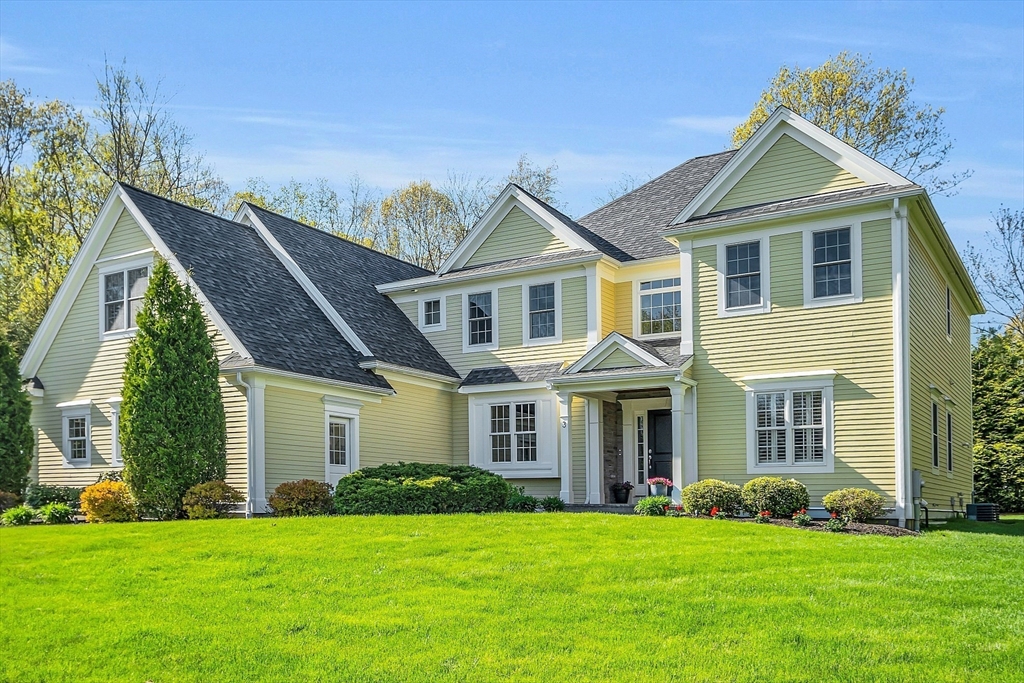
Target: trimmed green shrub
[[17, 439], [210, 500], [109, 501], [39, 495], [18, 516], [9, 500], [700, 497], [999, 474], [652, 506], [56, 513], [781, 497], [552, 504], [421, 488], [520, 502], [173, 432], [302, 498], [858, 505]]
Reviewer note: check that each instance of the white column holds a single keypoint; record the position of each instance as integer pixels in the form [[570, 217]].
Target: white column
[[565, 445], [259, 450], [595, 439], [690, 435], [686, 297], [677, 391], [901, 360], [593, 306]]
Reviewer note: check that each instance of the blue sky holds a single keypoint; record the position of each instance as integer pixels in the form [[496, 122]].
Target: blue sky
[[400, 92]]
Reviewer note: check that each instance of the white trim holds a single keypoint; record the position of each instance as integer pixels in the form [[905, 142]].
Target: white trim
[[510, 197], [901, 362], [783, 121], [132, 255], [119, 264], [72, 410], [307, 285], [593, 306], [614, 341], [421, 314], [564, 426], [686, 340], [594, 449], [508, 386], [765, 306], [856, 267], [407, 290], [348, 412], [412, 375], [828, 427], [74, 404], [115, 430], [475, 348], [542, 341], [546, 415], [637, 293], [297, 380]]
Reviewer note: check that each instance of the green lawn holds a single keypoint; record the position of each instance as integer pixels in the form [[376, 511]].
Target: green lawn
[[544, 597]]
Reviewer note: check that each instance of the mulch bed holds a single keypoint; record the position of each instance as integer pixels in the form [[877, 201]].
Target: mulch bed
[[853, 528]]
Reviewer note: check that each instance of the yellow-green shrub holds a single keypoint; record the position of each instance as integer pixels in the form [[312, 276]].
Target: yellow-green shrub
[[108, 501], [859, 505]]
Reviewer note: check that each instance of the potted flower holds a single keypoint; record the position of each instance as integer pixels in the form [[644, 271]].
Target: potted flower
[[660, 486], [620, 491]]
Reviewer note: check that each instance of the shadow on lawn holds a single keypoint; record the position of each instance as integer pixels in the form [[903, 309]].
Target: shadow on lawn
[[1004, 527]]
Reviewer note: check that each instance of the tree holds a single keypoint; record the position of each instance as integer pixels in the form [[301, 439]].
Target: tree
[[870, 109], [542, 183], [173, 432], [626, 184], [17, 441], [420, 224], [999, 270], [998, 376]]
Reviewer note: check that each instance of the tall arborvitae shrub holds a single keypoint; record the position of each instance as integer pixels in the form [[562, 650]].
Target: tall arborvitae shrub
[[998, 361], [16, 439], [172, 418]]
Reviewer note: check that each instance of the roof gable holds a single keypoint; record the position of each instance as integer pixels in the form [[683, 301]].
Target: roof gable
[[616, 351], [787, 170], [517, 235], [785, 122]]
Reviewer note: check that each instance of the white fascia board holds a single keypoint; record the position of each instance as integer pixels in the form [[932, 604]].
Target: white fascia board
[[75, 404], [607, 346], [782, 121], [507, 386], [381, 366], [296, 380], [511, 196], [179, 270], [307, 285]]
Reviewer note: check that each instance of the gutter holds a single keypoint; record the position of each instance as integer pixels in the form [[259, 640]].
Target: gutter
[[381, 366]]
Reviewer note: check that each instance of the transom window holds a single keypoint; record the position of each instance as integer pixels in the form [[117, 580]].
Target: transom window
[[832, 263], [790, 427], [481, 323], [542, 311], [743, 274], [431, 312], [123, 292], [337, 442], [520, 431], [660, 306]]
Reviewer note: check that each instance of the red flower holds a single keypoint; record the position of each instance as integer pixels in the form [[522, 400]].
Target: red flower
[[766, 513], [834, 515], [714, 511]]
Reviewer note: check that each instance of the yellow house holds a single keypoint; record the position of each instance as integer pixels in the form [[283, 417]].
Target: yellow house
[[791, 308]]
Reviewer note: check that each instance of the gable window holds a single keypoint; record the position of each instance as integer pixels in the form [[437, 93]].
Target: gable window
[[935, 435], [833, 263], [542, 311], [123, 291], [789, 425], [949, 441], [481, 322], [521, 431], [660, 307], [949, 313], [76, 428], [743, 275], [432, 313]]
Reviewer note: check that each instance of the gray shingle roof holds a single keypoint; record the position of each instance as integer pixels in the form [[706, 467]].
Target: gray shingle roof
[[666, 349], [552, 258], [264, 306], [507, 374], [634, 222], [346, 274]]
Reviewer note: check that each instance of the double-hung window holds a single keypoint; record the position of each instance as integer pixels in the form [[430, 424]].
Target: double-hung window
[[480, 319], [123, 291], [513, 432], [542, 311], [743, 275], [77, 433], [833, 263], [660, 307], [935, 435], [949, 441], [789, 428], [337, 442]]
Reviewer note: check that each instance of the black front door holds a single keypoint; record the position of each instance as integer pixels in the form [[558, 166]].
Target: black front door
[[659, 451]]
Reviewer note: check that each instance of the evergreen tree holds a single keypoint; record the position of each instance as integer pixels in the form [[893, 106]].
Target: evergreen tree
[[998, 362], [173, 433], [16, 438]]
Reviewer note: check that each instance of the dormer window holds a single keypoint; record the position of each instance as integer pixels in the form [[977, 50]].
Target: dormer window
[[123, 292]]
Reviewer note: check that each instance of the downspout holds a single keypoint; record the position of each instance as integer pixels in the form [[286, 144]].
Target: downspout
[[248, 445]]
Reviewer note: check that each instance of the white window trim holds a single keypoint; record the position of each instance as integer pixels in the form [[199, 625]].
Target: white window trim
[[493, 346], [817, 380], [543, 341], [334, 408], [637, 293], [114, 266], [115, 431], [546, 465], [766, 305], [443, 325], [76, 409], [856, 268]]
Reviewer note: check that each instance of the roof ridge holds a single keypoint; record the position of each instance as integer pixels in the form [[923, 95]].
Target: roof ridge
[[655, 179], [175, 202], [338, 237]]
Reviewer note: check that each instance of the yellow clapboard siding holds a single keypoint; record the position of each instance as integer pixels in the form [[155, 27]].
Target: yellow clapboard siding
[[607, 307], [579, 449], [79, 365], [294, 438], [618, 359], [516, 236], [787, 170], [540, 488], [460, 429], [414, 425], [855, 340], [623, 308], [945, 362]]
